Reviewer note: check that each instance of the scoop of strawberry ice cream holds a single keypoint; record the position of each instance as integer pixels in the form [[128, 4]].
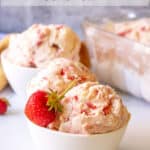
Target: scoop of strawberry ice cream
[[39, 44], [92, 108], [58, 75]]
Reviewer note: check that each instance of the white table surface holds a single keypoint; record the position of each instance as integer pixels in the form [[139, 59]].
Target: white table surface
[[14, 134]]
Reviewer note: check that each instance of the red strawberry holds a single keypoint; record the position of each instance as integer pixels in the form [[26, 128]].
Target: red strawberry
[[37, 110], [3, 106], [42, 107]]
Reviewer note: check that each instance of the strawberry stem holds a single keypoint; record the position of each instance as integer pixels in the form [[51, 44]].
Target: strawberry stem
[[72, 84], [54, 98]]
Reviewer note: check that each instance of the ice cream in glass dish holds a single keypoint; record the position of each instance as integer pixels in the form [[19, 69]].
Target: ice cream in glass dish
[[137, 30]]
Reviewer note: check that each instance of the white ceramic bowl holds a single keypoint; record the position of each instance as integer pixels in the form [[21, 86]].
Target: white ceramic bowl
[[17, 76], [46, 139]]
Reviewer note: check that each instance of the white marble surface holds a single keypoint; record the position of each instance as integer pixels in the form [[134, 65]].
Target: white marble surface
[[14, 134]]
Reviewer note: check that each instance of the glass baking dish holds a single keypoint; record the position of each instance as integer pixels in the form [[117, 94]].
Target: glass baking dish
[[116, 60]]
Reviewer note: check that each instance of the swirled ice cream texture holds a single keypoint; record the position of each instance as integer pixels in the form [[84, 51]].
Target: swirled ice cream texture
[[92, 108], [58, 75], [138, 30], [40, 44]]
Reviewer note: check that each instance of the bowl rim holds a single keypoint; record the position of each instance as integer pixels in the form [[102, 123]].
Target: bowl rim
[[4, 59], [47, 130]]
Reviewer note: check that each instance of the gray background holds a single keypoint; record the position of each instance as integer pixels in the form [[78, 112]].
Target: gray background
[[16, 19]]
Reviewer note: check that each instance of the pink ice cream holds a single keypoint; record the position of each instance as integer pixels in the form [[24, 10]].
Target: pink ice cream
[[40, 44], [58, 75], [91, 108], [138, 30]]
